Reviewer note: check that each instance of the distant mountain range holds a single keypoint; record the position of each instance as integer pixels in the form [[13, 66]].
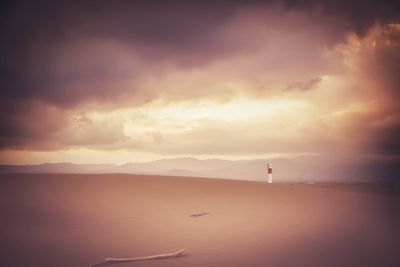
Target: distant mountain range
[[302, 168]]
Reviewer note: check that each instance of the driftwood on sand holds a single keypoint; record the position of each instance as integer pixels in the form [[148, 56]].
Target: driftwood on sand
[[199, 214], [109, 261]]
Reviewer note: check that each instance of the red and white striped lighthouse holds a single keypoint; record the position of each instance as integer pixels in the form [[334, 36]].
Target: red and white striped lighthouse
[[269, 172]]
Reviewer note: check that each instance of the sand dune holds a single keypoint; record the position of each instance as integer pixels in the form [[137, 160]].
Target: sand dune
[[77, 220]]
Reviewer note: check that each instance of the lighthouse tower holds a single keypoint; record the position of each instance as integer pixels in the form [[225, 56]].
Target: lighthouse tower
[[269, 172]]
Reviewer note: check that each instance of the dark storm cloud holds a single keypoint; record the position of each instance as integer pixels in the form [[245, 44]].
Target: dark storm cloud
[[56, 55], [359, 15], [36, 37], [183, 31], [29, 123]]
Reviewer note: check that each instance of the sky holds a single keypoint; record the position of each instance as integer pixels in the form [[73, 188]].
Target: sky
[[125, 81]]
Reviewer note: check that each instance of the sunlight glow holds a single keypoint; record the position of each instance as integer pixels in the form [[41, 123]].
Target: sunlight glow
[[189, 115]]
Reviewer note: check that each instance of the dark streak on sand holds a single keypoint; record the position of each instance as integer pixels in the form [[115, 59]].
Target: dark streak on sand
[[199, 214]]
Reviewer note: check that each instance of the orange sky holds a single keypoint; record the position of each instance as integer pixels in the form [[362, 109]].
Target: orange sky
[[254, 82]]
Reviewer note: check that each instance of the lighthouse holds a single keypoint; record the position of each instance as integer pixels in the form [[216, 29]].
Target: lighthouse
[[269, 172]]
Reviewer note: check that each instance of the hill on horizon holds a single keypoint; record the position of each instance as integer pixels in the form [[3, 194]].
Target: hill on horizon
[[301, 169]]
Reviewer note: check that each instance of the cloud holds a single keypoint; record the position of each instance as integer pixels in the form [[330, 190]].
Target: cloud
[[373, 61], [32, 125], [102, 75], [66, 53], [304, 85]]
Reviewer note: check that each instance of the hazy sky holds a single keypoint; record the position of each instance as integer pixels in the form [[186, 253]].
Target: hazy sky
[[117, 81]]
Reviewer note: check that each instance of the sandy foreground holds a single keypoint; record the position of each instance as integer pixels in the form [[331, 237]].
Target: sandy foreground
[[77, 220]]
